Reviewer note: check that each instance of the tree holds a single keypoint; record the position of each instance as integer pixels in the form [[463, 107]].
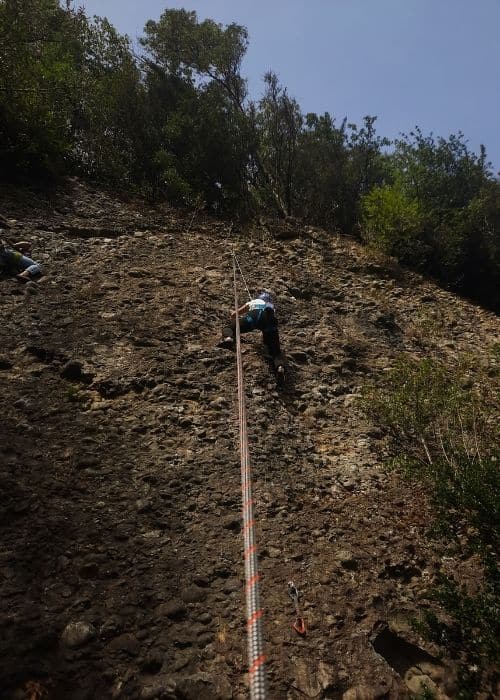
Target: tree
[[279, 124], [39, 84], [443, 174], [321, 161], [199, 52], [109, 123]]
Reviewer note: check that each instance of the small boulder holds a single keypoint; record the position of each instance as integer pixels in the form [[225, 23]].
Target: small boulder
[[76, 634]]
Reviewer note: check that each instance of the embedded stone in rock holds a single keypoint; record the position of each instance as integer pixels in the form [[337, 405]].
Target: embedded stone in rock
[[232, 523], [218, 403], [203, 685], [89, 570], [76, 634], [193, 594], [299, 355], [205, 618], [201, 581], [174, 610], [126, 643], [31, 287], [87, 462], [182, 640], [346, 560], [205, 639], [419, 683], [313, 682], [164, 689]]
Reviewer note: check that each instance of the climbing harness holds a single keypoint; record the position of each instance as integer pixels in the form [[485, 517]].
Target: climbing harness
[[299, 625], [256, 657]]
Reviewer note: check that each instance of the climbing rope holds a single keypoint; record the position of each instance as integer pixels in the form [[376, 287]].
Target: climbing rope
[[256, 658], [235, 259], [242, 275]]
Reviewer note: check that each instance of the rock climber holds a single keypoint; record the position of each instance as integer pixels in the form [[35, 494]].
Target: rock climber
[[258, 314], [14, 259]]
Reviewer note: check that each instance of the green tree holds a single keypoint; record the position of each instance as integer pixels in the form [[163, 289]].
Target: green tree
[[337, 165], [458, 202], [366, 167], [279, 124], [443, 174], [39, 84], [197, 95], [199, 53], [109, 123], [70, 94], [321, 162]]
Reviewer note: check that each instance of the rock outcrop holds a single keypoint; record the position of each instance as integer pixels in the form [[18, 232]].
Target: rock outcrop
[[121, 569]]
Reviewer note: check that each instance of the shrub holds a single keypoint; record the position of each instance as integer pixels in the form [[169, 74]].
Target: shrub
[[447, 430], [444, 426], [393, 224]]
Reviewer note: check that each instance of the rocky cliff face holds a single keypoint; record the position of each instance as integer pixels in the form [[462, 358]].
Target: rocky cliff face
[[121, 569]]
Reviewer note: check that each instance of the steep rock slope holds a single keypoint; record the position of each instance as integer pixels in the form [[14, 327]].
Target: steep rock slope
[[121, 571]]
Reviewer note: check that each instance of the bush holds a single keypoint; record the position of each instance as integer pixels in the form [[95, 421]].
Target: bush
[[444, 428], [448, 433], [393, 223]]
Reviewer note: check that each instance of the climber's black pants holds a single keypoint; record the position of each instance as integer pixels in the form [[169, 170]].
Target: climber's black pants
[[270, 336], [272, 340]]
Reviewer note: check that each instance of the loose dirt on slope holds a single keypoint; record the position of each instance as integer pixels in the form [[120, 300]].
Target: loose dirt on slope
[[121, 570]]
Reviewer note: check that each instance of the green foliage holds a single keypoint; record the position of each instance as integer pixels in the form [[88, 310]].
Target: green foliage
[[176, 122], [425, 694], [38, 84], [69, 93], [394, 224], [449, 435], [74, 394], [196, 96], [446, 430], [470, 632], [191, 50], [279, 123], [336, 166], [441, 214], [443, 174]]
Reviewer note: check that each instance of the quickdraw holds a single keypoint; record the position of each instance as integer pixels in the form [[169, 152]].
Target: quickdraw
[[299, 625]]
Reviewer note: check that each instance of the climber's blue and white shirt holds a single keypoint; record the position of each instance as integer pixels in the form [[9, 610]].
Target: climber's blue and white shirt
[[261, 313], [259, 305]]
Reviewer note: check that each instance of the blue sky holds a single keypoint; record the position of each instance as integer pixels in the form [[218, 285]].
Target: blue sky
[[431, 63]]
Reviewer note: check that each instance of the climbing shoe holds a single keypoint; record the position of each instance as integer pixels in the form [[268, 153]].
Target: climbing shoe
[[280, 373]]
